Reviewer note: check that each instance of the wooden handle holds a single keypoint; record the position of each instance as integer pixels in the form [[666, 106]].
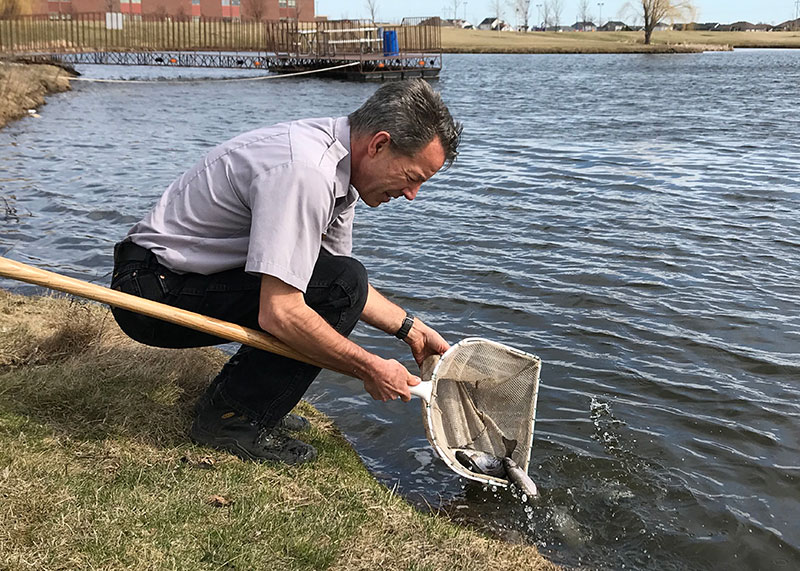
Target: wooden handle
[[224, 329]]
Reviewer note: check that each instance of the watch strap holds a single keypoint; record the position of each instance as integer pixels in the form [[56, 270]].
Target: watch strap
[[408, 323]]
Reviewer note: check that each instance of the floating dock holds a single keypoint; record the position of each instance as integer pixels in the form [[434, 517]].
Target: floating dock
[[364, 68]]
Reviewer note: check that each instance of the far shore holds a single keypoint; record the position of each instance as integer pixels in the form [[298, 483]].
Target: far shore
[[455, 40]]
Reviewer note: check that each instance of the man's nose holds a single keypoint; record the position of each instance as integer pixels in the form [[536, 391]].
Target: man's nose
[[410, 192]]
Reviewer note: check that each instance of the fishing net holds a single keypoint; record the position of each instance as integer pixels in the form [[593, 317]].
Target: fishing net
[[483, 399]]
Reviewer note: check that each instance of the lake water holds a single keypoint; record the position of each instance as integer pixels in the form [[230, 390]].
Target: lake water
[[632, 220]]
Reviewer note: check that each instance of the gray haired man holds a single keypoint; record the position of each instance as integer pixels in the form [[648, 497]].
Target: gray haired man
[[259, 232]]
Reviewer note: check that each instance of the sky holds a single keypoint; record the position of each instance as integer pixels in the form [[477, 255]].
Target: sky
[[722, 11]]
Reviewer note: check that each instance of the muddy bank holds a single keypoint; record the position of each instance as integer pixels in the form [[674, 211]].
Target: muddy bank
[[23, 87]]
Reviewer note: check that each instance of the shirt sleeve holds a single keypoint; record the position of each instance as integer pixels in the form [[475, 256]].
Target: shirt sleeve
[[290, 206]]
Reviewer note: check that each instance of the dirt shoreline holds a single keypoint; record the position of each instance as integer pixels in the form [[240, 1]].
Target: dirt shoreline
[[23, 87], [633, 49]]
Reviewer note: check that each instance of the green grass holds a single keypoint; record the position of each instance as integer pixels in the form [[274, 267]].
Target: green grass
[[96, 471]]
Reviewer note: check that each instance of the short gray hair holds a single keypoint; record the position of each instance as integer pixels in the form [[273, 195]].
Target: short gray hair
[[413, 114]]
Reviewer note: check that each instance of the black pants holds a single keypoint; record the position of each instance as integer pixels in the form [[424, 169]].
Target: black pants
[[256, 383]]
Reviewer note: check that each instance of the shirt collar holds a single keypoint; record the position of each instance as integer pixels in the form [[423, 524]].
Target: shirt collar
[[341, 132]]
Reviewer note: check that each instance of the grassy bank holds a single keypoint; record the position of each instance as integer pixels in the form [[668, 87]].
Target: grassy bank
[[96, 470], [23, 87], [481, 41]]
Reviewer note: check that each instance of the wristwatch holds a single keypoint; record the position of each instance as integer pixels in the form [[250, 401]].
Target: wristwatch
[[408, 322]]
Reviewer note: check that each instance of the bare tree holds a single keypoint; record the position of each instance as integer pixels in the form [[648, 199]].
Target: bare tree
[[372, 6], [584, 15], [654, 12], [11, 8], [256, 9], [522, 10], [556, 12], [455, 4], [497, 8], [546, 23]]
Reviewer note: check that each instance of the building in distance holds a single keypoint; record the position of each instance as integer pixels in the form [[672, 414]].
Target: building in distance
[[299, 10]]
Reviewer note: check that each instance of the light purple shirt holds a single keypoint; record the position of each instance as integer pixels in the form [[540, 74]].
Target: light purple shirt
[[266, 200]]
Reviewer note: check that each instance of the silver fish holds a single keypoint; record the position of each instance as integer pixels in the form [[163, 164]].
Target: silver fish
[[520, 478], [481, 463]]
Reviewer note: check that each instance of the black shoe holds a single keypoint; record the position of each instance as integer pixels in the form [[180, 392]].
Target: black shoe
[[293, 423], [222, 428]]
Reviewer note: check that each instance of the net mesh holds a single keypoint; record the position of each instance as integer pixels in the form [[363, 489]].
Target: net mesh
[[484, 399]]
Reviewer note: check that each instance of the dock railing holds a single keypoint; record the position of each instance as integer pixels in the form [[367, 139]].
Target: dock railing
[[105, 32]]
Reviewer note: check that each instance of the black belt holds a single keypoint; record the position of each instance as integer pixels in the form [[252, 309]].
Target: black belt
[[130, 252]]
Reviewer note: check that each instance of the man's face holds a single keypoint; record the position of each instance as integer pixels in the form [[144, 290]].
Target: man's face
[[385, 174]]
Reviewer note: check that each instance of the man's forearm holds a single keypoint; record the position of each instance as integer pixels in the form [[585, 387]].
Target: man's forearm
[[284, 313], [382, 313], [302, 329], [387, 316]]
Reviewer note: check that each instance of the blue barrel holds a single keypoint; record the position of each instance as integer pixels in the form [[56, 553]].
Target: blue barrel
[[390, 46]]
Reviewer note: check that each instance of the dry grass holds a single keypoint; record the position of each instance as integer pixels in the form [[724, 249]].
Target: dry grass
[[96, 470], [23, 87], [733, 39], [481, 41]]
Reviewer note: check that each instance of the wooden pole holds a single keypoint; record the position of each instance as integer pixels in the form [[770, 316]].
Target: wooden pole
[[224, 329]]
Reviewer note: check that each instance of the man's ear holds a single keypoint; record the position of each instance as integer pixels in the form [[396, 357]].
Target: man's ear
[[378, 142]]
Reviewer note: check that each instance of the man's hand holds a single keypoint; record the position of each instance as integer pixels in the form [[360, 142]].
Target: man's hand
[[387, 380], [425, 342]]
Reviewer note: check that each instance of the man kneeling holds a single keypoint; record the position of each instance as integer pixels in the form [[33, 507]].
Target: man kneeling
[[259, 232]]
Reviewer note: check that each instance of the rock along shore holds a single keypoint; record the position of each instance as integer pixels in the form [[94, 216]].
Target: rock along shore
[[23, 88]]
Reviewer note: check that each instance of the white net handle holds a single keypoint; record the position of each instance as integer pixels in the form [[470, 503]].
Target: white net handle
[[422, 390]]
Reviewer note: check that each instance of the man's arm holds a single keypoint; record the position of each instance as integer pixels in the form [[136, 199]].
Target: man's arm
[[387, 316], [284, 313]]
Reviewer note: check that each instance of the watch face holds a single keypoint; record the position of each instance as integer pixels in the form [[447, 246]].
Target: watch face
[[408, 323]]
